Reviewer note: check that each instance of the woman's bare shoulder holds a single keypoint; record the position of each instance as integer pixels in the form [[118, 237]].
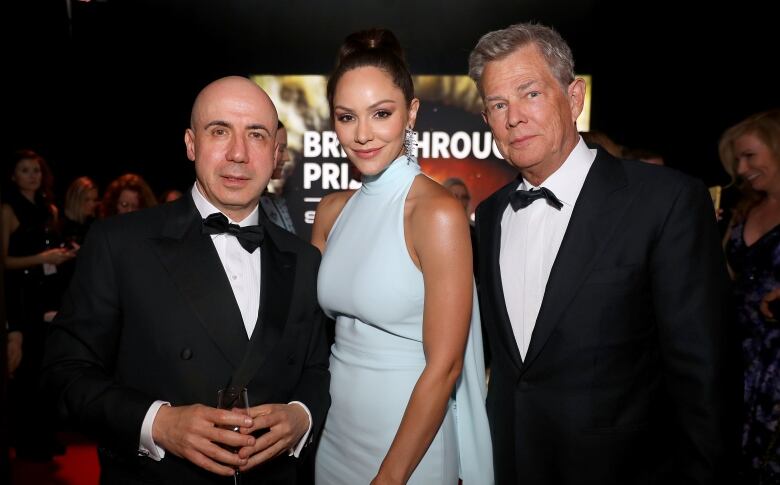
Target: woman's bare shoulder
[[428, 196]]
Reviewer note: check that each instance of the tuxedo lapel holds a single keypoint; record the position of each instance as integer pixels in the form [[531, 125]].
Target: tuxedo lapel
[[492, 235], [276, 293], [193, 263], [595, 217]]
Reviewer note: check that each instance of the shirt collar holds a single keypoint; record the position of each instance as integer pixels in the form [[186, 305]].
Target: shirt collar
[[567, 181], [206, 208]]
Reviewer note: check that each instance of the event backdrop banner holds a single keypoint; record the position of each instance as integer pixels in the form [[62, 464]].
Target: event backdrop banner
[[453, 140]]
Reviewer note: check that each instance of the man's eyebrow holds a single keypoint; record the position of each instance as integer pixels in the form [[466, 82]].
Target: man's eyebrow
[[519, 88], [217, 123], [526, 85], [225, 124], [258, 126], [494, 97]]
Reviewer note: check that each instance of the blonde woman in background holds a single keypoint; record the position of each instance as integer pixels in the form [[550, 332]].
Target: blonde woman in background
[[81, 204], [750, 153]]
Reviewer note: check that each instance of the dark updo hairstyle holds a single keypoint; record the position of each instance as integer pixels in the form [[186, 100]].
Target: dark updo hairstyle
[[377, 48]]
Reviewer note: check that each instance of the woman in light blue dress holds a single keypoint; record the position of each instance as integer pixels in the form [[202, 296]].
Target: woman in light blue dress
[[407, 374]]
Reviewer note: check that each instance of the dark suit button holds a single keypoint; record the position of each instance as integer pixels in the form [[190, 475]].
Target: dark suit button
[[291, 360], [186, 354]]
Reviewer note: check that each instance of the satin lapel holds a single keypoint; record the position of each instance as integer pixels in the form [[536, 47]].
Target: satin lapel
[[594, 219], [193, 263], [276, 294], [492, 234]]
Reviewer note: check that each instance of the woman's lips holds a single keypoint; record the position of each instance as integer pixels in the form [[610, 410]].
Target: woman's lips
[[369, 153]]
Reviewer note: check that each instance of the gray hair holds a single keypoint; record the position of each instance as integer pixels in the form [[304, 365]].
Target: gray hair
[[499, 44]]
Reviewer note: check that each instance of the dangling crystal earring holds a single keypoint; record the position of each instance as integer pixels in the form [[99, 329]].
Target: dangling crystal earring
[[410, 142]]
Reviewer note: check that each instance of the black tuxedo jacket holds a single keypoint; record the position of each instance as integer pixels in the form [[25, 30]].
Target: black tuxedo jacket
[[623, 381], [150, 315]]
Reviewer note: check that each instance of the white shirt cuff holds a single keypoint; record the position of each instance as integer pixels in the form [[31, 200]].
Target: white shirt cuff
[[147, 446], [296, 452]]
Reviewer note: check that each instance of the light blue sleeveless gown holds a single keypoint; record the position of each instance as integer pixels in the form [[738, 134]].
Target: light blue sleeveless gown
[[369, 284]]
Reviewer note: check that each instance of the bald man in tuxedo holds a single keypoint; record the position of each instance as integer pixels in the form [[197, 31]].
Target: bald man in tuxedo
[[170, 304]]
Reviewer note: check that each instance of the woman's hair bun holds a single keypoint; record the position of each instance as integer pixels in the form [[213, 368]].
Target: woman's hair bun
[[376, 48], [371, 39]]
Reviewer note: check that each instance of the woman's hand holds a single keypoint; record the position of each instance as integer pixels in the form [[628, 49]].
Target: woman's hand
[[56, 256]]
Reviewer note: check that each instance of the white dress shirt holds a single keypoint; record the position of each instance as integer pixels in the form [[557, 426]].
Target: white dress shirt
[[241, 268], [530, 239], [243, 272]]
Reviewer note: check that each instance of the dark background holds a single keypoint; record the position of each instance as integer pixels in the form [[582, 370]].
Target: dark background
[[107, 88]]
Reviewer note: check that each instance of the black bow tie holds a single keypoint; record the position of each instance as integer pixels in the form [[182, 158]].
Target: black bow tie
[[250, 237], [523, 198]]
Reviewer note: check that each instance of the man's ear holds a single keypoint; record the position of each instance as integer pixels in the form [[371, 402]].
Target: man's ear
[[189, 142], [277, 155], [576, 97]]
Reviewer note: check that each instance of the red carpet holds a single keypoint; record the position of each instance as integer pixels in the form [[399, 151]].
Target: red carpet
[[79, 466]]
